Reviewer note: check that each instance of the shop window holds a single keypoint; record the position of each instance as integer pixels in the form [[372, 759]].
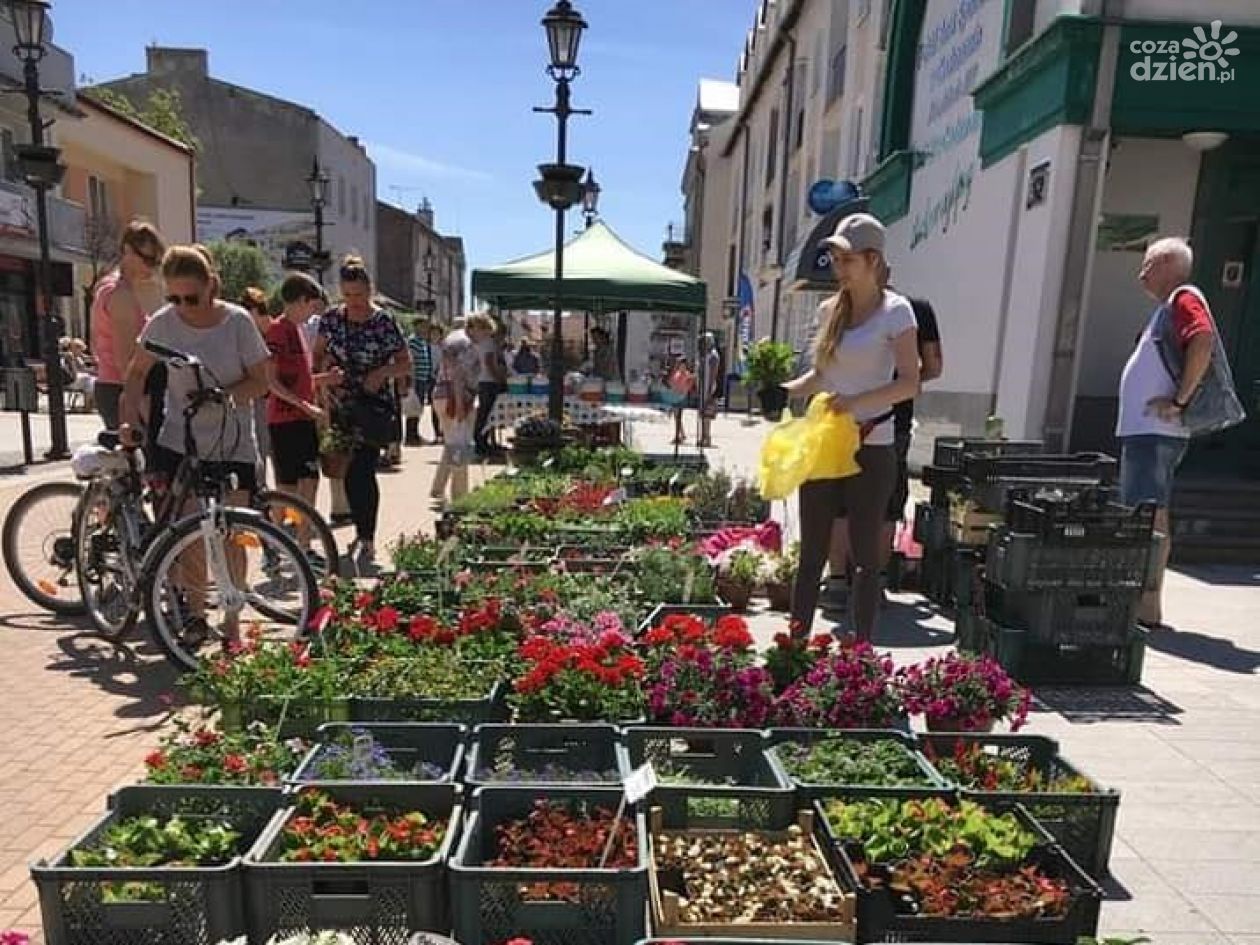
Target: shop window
[[772, 146], [1021, 20]]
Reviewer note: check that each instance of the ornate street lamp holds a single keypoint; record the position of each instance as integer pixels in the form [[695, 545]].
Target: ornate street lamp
[[429, 264], [41, 166], [590, 197], [560, 186], [318, 184]]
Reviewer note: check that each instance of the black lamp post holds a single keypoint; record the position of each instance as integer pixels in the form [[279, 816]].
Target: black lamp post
[[42, 169], [590, 197], [429, 264], [318, 183], [561, 184]]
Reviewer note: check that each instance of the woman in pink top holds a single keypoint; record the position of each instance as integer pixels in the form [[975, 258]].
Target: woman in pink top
[[123, 301]]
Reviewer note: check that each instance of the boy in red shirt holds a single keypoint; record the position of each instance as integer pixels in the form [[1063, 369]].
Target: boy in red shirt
[[292, 414]]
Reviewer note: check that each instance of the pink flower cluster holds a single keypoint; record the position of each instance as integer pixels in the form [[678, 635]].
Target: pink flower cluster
[[969, 693], [850, 688]]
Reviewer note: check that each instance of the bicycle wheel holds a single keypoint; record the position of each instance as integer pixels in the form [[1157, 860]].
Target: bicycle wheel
[[277, 589], [103, 563], [38, 544], [290, 512]]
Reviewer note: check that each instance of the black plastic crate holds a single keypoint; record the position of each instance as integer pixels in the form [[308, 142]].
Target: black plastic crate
[[1026, 562], [1083, 823], [534, 749], [1066, 617], [489, 904], [879, 921], [948, 451], [1089, 518], [966, 582], [375, 903], [932, 783], [734, 780], [1036, 664], [492, 707], [198, 905], [407, 744], [293, 718], [931, 526], [936, 572], [1096, 469]]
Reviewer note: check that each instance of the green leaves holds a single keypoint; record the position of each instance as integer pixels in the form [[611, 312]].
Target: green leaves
[[878, 763], [146, 841]]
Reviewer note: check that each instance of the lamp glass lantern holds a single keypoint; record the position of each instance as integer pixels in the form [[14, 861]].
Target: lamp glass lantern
[[564, 26], [31, 26], [429, 261], [590, 194], [318, 182]]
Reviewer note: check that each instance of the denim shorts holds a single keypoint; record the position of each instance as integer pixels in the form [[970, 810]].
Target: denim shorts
[[1147, 467]]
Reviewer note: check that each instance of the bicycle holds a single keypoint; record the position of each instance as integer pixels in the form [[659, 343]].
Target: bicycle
[[127, 562], [38, 544]]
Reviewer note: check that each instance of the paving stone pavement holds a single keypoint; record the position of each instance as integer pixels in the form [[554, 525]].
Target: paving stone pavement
[[77, 716]]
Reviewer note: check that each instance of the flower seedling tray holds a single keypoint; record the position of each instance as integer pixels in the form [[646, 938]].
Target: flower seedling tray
[[930, 783], [197, 905], [879, 920], [489, 708], [667, 891], [542, 754], [372, 902], [296, 718], [490, 905], [1083, 823], [406, 743], [721, 776]]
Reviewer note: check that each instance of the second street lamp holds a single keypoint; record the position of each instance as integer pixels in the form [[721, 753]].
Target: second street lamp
[[318, 183], [42, 168], [590, 197], [561, 184]]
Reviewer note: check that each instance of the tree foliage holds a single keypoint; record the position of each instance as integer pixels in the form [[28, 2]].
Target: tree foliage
[[163, 111], [240, 266]]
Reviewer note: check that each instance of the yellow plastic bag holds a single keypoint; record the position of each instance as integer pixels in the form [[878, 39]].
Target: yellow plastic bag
[[822, 444]]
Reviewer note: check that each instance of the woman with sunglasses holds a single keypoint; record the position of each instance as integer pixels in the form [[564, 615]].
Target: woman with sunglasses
[[866, 357], [367, 344], [121, 304]]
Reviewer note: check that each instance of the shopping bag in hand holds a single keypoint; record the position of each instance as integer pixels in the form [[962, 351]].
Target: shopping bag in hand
[[822, 444]]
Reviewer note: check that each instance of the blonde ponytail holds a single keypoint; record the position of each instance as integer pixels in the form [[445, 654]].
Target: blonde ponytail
[[838, 312]]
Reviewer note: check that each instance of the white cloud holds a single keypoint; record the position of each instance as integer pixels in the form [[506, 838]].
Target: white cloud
[[417, 165]]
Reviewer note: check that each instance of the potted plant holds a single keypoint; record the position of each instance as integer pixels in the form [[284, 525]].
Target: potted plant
[[738, 576], [335, 448], [768, 364], [851, 687], [957, 693], [782, 577]]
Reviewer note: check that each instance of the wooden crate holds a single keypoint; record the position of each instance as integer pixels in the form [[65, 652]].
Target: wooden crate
[[666, 903]]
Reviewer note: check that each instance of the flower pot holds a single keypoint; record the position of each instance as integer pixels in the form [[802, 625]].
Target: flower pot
[[772, 400], [334, 465], [779, 594], [735, 594], [938, 723]]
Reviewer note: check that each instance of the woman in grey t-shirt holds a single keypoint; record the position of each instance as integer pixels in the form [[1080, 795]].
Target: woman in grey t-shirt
[[866, 357]]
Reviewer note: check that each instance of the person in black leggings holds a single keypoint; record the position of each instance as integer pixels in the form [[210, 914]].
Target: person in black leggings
[[866, 359], [365, 342]]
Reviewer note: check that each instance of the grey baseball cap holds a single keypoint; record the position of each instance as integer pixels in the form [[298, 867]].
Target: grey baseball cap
[[858, 233]]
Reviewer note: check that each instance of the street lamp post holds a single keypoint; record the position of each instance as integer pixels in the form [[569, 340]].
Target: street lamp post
[[561, 184], [318, 183], [429, 264], [41, 167], [590, 197]]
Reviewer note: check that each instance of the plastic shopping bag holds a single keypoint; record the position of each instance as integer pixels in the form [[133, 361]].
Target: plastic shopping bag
[[821, 445]]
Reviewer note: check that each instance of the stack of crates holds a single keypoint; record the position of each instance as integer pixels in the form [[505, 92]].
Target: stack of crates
[[1063, 579], [947, 563]]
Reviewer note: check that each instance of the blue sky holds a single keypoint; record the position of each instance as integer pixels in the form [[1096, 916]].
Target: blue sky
[[442, 92]]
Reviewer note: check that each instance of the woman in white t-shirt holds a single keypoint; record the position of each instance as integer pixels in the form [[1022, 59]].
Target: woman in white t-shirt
[[866, 356]]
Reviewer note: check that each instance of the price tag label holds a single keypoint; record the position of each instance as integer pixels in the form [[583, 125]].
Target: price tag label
[[361, 749], [674, 480], [641, 782], [548, 462], [616, 497]]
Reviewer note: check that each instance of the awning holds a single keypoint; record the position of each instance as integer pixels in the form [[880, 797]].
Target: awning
[[808, 267]]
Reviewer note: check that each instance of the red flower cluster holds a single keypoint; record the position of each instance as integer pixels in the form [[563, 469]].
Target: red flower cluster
[[583, 500], [608, 661], [689, 631]]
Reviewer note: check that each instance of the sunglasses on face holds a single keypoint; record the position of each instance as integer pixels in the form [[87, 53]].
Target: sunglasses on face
[[183, 299]]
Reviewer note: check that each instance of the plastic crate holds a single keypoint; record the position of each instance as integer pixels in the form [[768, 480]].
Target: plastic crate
[[1026, 562], [948, 451], [503, 556], [759, 796], [296, 718], [936, 571], [1090, 518], [489, 907], [931, 526], [708, 612], [492, 707], [966, 575], [1046, 664], [374, 903], [1084, 824], [406, 743], [968, 630], [879, 921], [577, 748], [1067, 617], [933, 785], [199, 905], [1086, 468]]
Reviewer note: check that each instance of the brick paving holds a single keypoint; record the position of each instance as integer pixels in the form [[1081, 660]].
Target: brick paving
[[77, 717]]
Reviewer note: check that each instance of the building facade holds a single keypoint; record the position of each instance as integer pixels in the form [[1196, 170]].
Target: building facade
[[1023, 154], [118, 170], [256, 154], [420, 268]]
